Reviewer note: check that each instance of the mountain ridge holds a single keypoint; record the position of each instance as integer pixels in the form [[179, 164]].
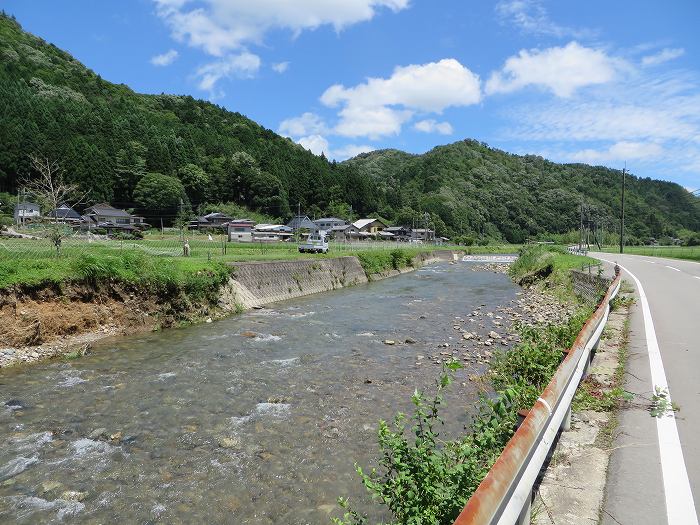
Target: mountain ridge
[[108, 137]]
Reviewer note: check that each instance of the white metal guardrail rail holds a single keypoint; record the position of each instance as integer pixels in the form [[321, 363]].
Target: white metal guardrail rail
[[505, 495]]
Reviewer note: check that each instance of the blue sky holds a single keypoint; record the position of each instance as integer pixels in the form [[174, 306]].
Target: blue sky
[[598, 81]]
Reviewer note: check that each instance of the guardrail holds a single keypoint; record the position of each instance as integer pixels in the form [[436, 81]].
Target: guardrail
[[505, 495]]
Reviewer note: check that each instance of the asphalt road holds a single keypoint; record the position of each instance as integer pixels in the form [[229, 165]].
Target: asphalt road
[[654, 473]]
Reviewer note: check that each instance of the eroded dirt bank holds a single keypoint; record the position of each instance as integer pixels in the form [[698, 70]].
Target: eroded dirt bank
[[42, 322]]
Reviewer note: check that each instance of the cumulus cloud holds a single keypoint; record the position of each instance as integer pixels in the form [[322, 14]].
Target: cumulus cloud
[[220, 26], [280, 67], [243, 65], [317, 144], [562, 70], [351, 150], [380, 106], [165, 59], [306, 124], [662, 56], [433, 126]]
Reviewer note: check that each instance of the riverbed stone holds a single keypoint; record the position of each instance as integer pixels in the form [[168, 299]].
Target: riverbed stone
[[98, 433]]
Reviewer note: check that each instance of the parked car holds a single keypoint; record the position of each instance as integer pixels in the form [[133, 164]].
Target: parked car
[[316, 242]]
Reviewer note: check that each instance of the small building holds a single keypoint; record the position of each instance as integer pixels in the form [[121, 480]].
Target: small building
[[212, 221], [27, 211], [272, 232], [301, 222], [422, 234], [328, 223], [105, 216], [346, 233], [64, 214], [240, 230], [400, 233], [371, 226]]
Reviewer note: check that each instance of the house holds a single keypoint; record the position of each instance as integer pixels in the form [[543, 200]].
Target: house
[[64, 214], [26, 211], [301, 222], [344, 233], [105, 216], [272, 232], [422, 234], [400, 233], [328, 223], [214, 220], [240, 230], [371, 226]]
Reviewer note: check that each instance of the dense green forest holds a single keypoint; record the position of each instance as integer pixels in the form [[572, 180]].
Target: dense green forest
[[122, 146]]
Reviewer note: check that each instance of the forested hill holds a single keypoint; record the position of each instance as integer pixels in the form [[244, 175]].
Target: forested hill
[[112, 141], [475, 188]]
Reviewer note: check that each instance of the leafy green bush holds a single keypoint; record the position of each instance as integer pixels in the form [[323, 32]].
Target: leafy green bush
[[426, 480]]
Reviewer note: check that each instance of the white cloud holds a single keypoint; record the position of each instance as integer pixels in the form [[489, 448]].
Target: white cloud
[[165, 59], [315, 143], [306, 124], [220, 26], [620, 152], [318, 144], [380, 106], [562, 70], [244, 65], [280, 67], [531, 17], [351, 150], [662, 56], [433, 126]]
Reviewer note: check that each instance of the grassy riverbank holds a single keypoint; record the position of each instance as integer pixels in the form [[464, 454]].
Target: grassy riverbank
[[423, 479], [33, 263]]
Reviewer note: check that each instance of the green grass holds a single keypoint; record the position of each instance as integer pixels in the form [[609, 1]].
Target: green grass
[[157, 259], [550, 265], [690, 253]]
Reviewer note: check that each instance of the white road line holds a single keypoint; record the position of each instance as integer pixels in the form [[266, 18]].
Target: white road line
[[672, 268], [680, 507]]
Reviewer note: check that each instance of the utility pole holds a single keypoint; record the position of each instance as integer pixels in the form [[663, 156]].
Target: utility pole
[[580, 234], [622, 212]]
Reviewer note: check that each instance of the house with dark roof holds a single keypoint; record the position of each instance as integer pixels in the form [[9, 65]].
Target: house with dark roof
[[64, 214], [346, 233], [328, 223], [214, 220], [301, 222], [105, 216]]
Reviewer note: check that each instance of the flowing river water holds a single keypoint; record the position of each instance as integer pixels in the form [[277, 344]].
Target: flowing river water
[[256, 418]]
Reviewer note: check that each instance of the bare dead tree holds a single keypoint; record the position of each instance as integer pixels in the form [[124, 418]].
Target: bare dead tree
[[48, 186]]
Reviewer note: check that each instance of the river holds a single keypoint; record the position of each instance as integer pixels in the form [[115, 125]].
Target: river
[[256, 418]]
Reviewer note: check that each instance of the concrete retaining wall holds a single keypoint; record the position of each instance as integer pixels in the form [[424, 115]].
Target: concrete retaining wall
[[259, 283]]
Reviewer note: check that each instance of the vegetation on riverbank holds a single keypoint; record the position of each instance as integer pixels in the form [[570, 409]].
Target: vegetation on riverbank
[[32, 262], [424, 479]]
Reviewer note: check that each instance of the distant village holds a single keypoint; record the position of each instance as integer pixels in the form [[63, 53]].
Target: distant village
[[106, 219]]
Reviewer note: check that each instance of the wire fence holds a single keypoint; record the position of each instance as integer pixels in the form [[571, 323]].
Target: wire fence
[[38, 245]]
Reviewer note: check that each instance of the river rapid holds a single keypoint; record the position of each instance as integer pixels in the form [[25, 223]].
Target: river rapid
[[256, 418]]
